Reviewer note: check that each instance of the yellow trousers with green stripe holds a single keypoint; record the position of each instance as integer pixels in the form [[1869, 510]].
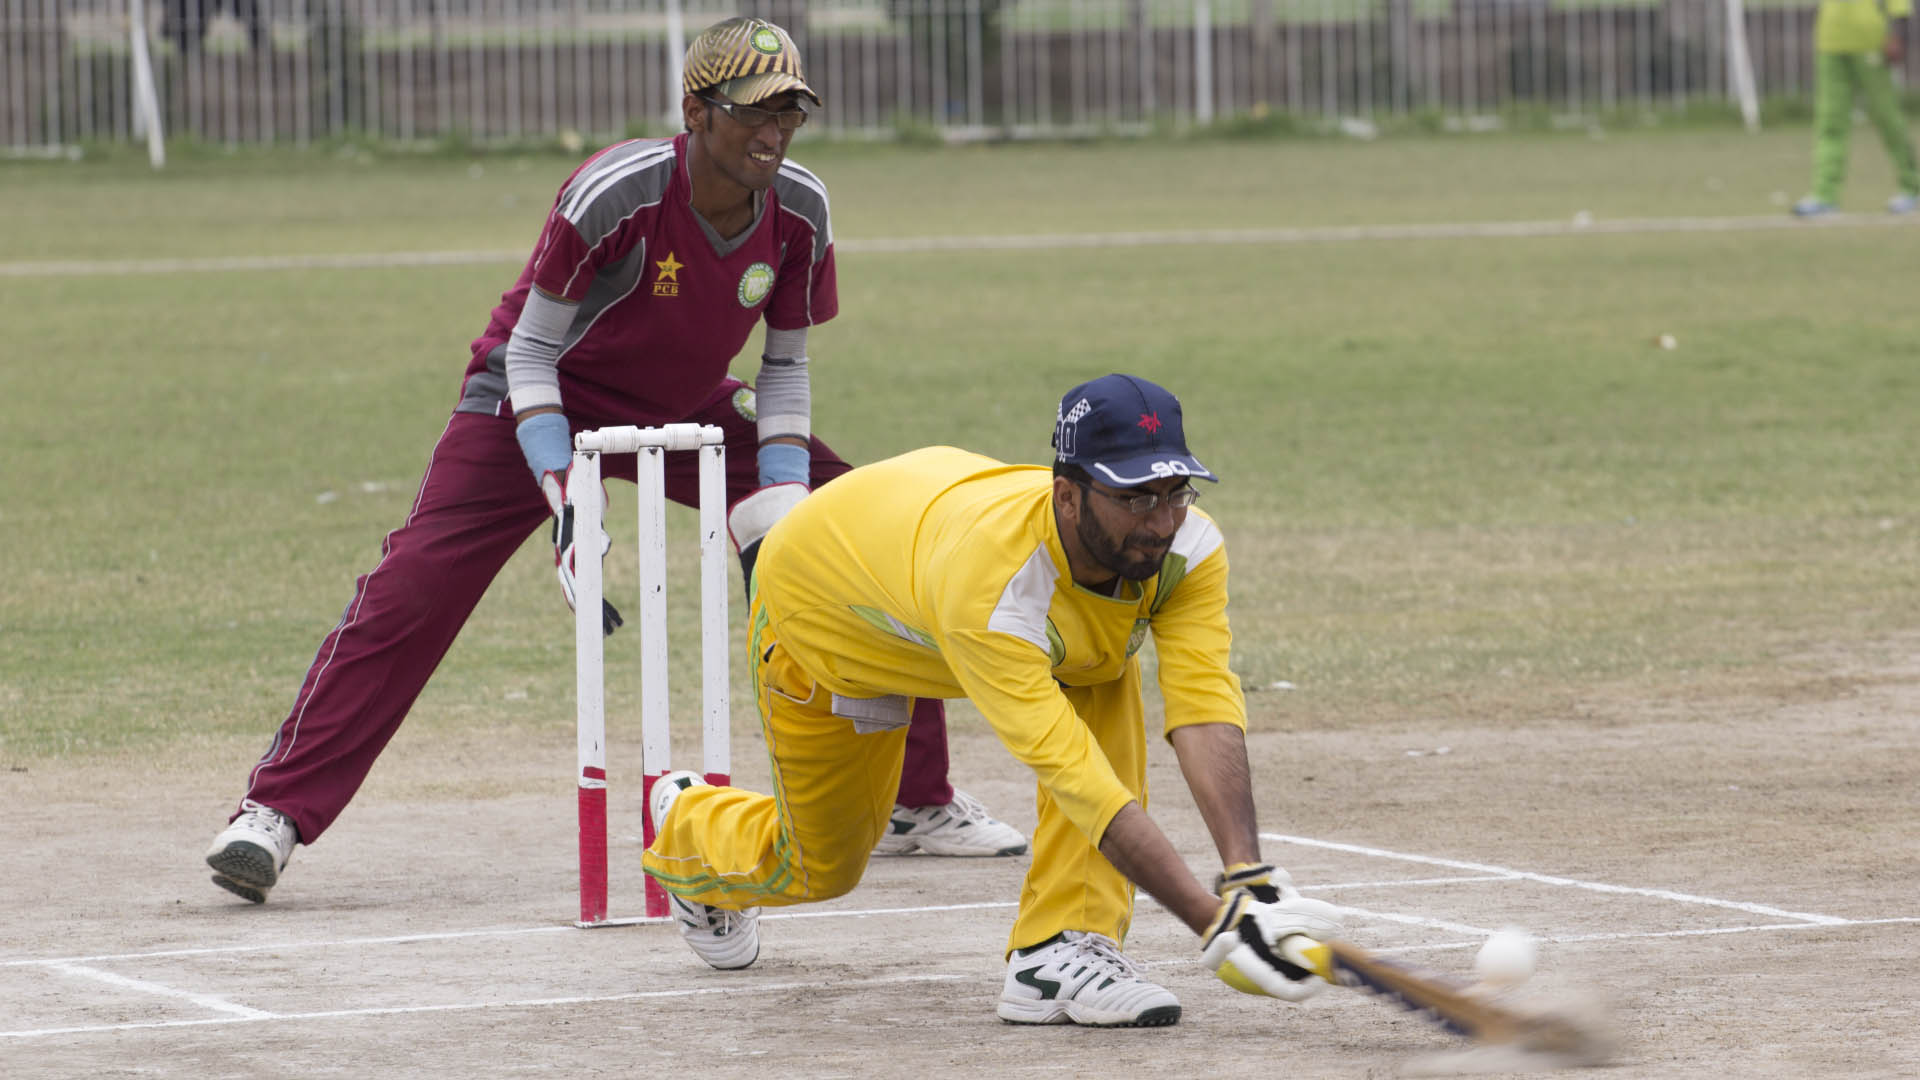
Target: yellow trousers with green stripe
[[833, 794]]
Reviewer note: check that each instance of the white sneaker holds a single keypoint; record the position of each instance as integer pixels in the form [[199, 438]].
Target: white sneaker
[[1082, 978], [727, 940], [962, 827], [249, 854]]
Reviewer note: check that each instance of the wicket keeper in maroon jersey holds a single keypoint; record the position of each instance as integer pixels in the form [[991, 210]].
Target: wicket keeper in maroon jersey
[[656, 263]]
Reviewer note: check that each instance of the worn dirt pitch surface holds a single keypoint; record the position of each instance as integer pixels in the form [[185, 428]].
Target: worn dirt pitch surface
[[1735, 878]]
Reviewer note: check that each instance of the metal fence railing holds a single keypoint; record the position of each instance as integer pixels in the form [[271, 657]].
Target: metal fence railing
[[299, 70]]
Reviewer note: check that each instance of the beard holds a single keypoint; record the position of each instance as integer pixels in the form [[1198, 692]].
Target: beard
[[1137, 556]]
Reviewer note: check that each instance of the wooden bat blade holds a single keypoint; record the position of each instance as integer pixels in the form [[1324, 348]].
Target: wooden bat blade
[[1450, 1003]]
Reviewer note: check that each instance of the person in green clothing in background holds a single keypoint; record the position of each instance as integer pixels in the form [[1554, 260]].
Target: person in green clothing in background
[[1856, 41]]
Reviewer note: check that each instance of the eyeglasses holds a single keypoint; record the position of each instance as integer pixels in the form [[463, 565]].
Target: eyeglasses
[[1141, 505], [755, 117]]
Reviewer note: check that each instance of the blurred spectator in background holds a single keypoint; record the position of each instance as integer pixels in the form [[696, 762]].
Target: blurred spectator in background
[[1855, 42], [184, 22]]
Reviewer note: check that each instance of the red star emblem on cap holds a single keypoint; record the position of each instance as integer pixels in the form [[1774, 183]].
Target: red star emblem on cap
[[1150, 421]]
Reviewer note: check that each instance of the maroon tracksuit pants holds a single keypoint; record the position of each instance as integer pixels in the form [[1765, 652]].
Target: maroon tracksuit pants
[[476, 505]]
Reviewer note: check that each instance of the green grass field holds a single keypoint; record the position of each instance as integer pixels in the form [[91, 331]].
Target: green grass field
[[1460, 477]]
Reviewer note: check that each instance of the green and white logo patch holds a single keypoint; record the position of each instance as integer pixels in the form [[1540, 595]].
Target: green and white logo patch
[[755, 284], [766, 41], [745, 404]]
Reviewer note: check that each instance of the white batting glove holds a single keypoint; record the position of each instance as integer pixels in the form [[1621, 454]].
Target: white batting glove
[[1245, 944]]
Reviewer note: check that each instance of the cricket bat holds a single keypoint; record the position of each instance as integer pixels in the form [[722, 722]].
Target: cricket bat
[[1449, 1002]]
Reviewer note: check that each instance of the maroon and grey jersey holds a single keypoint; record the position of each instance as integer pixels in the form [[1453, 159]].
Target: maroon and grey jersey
[[664, 303]]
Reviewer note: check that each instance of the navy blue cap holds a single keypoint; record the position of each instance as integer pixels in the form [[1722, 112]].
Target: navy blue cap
[[1125, 431]]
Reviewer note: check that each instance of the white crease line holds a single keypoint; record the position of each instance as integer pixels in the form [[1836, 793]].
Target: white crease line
[[1495, 874], [983, 905], [1477, 878], [205, 1001], [1637, 935], [452, 935], [1479, 933], [466, 1006], [531, 1003], [1549, 879], [913, 245], [216, 950]]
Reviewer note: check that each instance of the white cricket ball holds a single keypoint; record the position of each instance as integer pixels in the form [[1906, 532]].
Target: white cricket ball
[[1506, 959], [1667, 341]]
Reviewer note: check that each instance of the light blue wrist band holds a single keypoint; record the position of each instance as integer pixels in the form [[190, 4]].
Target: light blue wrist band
[[784, 463], [546, 442]]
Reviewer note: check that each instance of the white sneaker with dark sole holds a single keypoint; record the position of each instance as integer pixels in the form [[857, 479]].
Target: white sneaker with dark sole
[[248, 855], [962, 827], [1082, 978], [728, 940]]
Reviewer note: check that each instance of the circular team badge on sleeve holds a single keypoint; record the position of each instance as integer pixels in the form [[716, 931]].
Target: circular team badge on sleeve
[[755, 284]]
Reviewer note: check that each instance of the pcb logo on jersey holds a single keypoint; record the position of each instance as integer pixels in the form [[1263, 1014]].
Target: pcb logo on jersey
[[755, 284], [667, 283]]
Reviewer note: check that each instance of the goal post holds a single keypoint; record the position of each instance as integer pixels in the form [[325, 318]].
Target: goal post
[[1740, 65], [146, 100], [676, 59]]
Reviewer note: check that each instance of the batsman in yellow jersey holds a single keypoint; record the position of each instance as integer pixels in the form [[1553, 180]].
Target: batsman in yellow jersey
[[942, 574]]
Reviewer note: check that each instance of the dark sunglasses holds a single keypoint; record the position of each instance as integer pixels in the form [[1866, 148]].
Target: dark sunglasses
[[753, 117]]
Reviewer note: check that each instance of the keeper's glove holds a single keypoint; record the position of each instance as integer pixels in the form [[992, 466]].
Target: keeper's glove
[[749, 520], [553, 485], [1246, 944]]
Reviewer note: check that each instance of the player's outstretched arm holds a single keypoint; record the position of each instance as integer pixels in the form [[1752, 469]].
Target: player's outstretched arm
[[1213, 759], [1137, 848], [1259, 909], [1240, 935], [540, 425]]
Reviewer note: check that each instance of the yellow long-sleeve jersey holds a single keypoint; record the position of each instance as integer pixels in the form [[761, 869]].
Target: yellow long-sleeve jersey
[[1856, 26], [940, 573]]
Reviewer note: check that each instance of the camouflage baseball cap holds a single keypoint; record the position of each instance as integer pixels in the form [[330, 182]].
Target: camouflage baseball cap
[[747, 59]]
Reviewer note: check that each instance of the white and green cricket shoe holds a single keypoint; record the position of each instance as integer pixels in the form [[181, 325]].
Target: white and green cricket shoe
[[728, 940], [962, 827], [1082, 978], [250, 853]]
